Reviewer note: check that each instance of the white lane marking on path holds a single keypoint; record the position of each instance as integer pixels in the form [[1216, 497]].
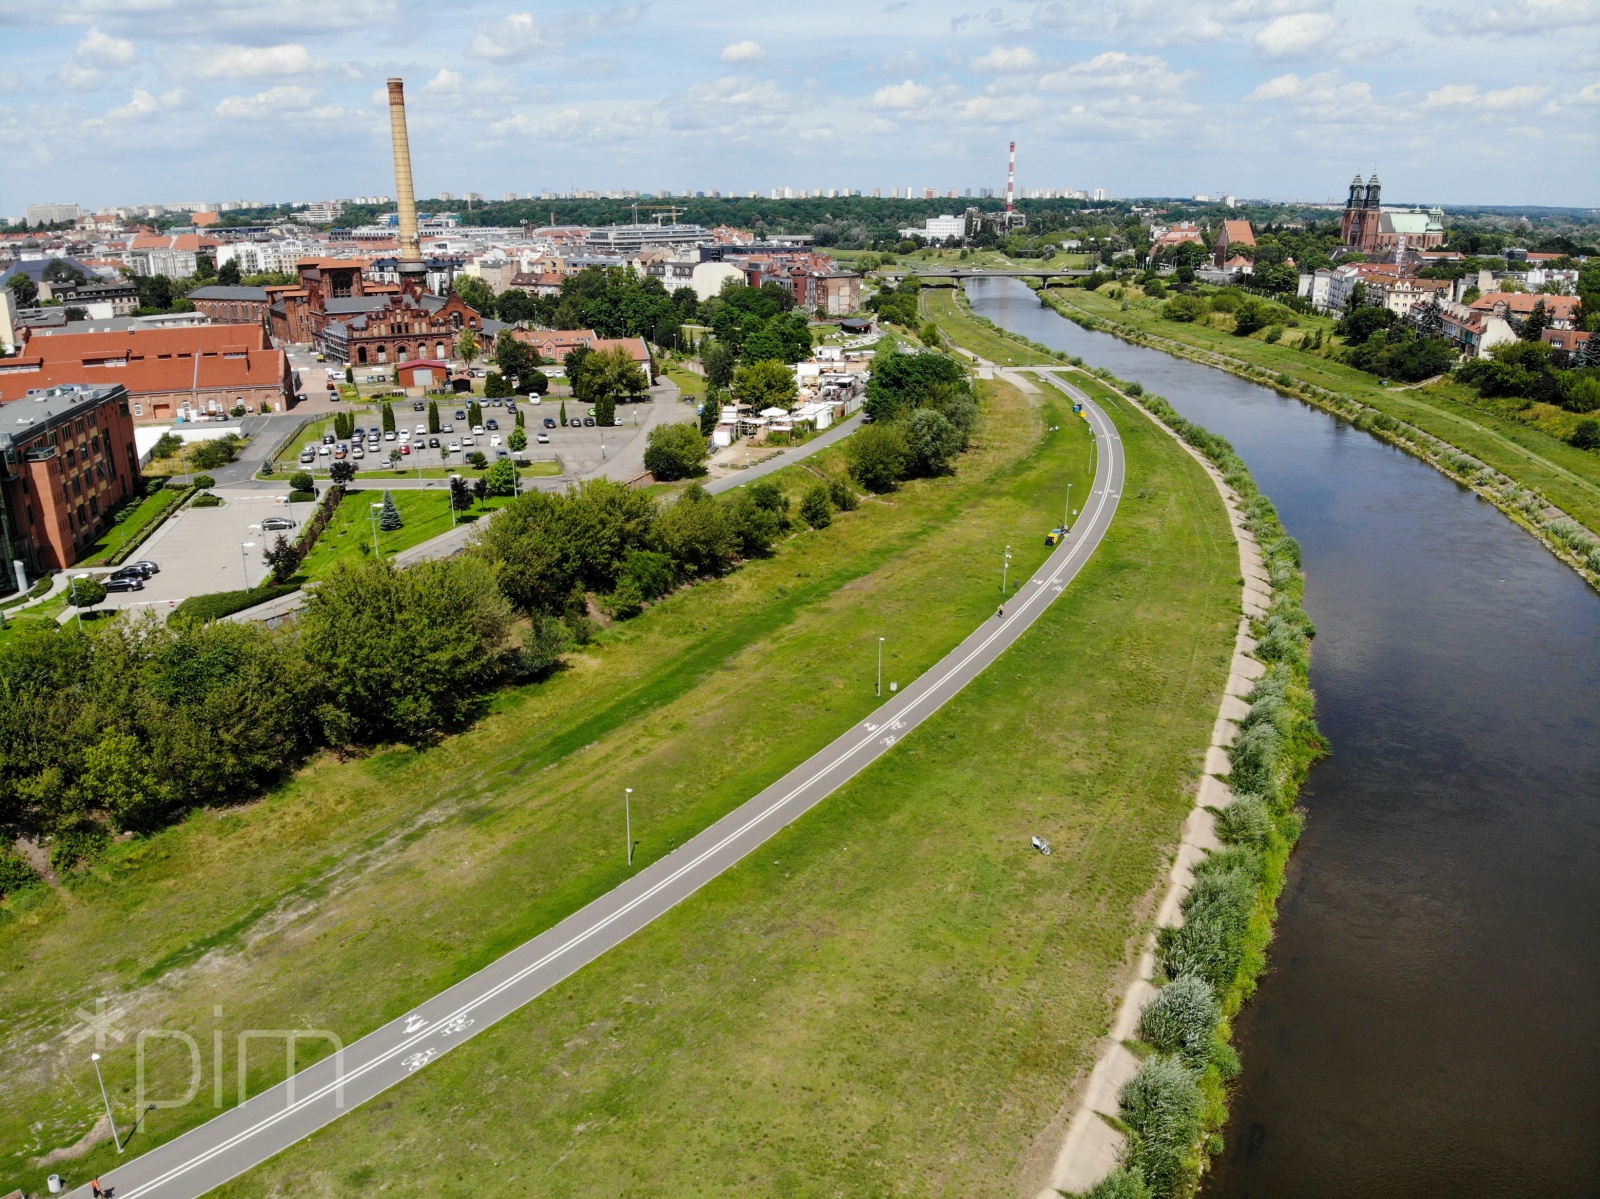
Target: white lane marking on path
[[923, 690]]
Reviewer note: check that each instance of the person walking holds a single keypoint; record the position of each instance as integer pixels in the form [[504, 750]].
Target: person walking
[[94, 1189], [1002, 613]]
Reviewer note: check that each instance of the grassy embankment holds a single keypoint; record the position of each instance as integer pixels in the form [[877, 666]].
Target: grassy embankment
[[139, 517], [425, 514], [896, 994], [941, 306], [364, 885], [1526, 447]]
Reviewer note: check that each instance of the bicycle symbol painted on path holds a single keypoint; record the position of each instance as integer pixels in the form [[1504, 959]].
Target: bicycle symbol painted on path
[[418, 1060]]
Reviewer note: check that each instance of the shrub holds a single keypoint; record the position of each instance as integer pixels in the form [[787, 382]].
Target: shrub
[[878, 456], [1184, 308], [217, 604], [1125, 1182], [696, 533], [650, 573], [1586, 436], [1162, 1107], [816, 508], [1181, 1018], [1216, 915], [203, 482], [675, 451], [501, 478], [206, 500], [302, 481], [843, 497], [15, 873], [302, 497], [1246, 821], [932, 440]]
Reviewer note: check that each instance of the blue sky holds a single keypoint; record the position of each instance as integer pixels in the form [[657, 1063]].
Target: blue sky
[[125, 101]]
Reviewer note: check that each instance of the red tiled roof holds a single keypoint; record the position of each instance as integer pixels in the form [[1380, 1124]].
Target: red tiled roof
[[217, 370], [150, 343], [1239, 232], [1521, 303]]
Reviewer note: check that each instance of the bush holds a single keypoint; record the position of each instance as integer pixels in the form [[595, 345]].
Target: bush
[[696, 533], [219, 451], [649, 573], [1125, 1182], [302, 497], [676, 451], [1586, 436], [217, 604], [932, 440], [302, 481], [842, 495], [1181, 1018], [1184, 308], [206, 500], [816, 506], [1216, 916], [15, 873], [1246, 821], [204, 482], [878, 456], [1162, 1107], [501, 478]]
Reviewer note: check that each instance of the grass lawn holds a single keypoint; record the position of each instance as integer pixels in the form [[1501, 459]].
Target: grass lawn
[[1567, 476], [368, 883], [689, 383], [425, 513], [895, 995], [148, 511], [940, 306]]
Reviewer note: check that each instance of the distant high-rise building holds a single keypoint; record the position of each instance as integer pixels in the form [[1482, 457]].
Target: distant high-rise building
[[51, 214], [1099, 194], [447, 197], [508, 197]]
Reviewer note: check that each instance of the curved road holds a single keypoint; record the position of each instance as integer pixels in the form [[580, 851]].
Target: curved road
[[233, 1142]]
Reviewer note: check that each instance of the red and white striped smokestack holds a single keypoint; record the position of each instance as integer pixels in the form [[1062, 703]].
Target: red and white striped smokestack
[[1011, 178]]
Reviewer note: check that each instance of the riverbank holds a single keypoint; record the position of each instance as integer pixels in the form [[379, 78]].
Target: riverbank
[[1570, 539]]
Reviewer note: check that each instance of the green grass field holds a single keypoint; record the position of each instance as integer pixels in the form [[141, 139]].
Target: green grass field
[[368, 883], [940, 306], [426, 514], [896, 995], [1567, 476]]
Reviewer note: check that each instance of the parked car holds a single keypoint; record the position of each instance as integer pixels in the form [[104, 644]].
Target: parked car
[[419, 406], [497, 401], [477, 430], [494, 440], [491, 424], [447, 428], [357, 452], [422, 428], [124, 583], [127, 572], [299, 397], [325, 450], [389, 436], [340, 451], [328, 439], [588, 422], [549, 422], [461, 414], [144, 564], [360, 433], [276, 524], [502, 452], [307, 456], [468, 440], [543, 439], [455, 447], [433, 443], [405, 447]]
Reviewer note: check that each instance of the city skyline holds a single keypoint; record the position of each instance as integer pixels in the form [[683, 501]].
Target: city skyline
[[120, 102]]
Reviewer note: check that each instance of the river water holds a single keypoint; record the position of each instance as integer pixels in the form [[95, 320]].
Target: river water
[[1430, 1021]]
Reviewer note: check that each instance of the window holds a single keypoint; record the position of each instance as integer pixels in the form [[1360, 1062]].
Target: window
[[94, 506]]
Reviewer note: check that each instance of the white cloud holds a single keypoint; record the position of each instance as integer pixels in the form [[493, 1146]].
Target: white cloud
[[1325, 96], [1114, 71], [253, 62], [1003, 61], [445, 83], [1515, 97], [1290, 37], [520, 35], [144, 104], [909, 94], [1529, 18], [820, 134], [100, 50], [273, 102], [745, 51], [1452, 95]]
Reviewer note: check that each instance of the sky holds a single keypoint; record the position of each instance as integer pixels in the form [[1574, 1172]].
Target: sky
[[162, 101]]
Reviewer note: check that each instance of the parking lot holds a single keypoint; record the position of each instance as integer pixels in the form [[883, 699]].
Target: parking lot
[[418, 449], [201, 550]]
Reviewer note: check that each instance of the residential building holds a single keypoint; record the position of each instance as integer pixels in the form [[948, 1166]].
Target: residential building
[[1401, 293], [938, 228], [556, 344], [1560, 311], [174, 255], [67, 458], [1565, 344], [50, 214], [1475, 331], [168, 374]]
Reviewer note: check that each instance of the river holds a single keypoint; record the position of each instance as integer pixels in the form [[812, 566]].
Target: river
[[1430, 1021]]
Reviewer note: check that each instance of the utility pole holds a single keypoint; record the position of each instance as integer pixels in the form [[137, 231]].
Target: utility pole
[[880, 667], [115, 1135], [627, 815], [1005, 574], [1066, 520]]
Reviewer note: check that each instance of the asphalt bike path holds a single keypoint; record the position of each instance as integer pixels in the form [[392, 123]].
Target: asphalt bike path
[[245, 1136]]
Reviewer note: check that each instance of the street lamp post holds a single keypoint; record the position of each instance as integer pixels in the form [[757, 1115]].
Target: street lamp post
[[244, 561], [1066, 520], [1005, 574], [373, 516], [115, 1135], [627, 816], [880, 667]]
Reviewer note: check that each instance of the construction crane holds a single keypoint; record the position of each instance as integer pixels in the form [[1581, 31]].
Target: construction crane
[[673, 209]]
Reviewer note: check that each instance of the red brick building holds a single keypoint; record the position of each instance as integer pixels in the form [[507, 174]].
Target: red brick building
[[556, 344], [1232, 233], [232, 305], [168, 373], [67, 458]]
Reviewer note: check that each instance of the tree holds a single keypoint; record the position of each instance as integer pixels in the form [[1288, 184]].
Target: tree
[[402, 654], [283, 557], [901, 382], [24, 289], [710, 412], [605, 410], [719, 360], [762, 385], [816, 506], [1184, 308], [475, 293], [518, 441], [1538, 321], [609, 376], [501, 478], [1250, 316], [460, 494], [120, 776], [388, 417], [495, 386], [228, 273], [86, 593], [389, 519], [467, 346], [694, 531], [878, 456], [932, 440], [562, 415], [573, 366], [518, 363], [474, 414], [1586, 435], [302, 481], [394, 458], [479, 460], [675, 451], [342, 472], [516, 306], [433, 416], [59, 270]]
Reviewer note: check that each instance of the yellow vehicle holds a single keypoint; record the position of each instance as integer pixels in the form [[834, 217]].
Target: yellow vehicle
[[1055, 536]]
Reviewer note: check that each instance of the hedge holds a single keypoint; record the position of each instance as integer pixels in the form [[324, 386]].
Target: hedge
[[218, 604]]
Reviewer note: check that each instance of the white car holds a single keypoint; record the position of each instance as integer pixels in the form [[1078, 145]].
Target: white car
[[544, 439], [358, 452], [455, 447], [468, 441], [477, 430], [495, 440], [325, 450], [423, 430], [405, 434]]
